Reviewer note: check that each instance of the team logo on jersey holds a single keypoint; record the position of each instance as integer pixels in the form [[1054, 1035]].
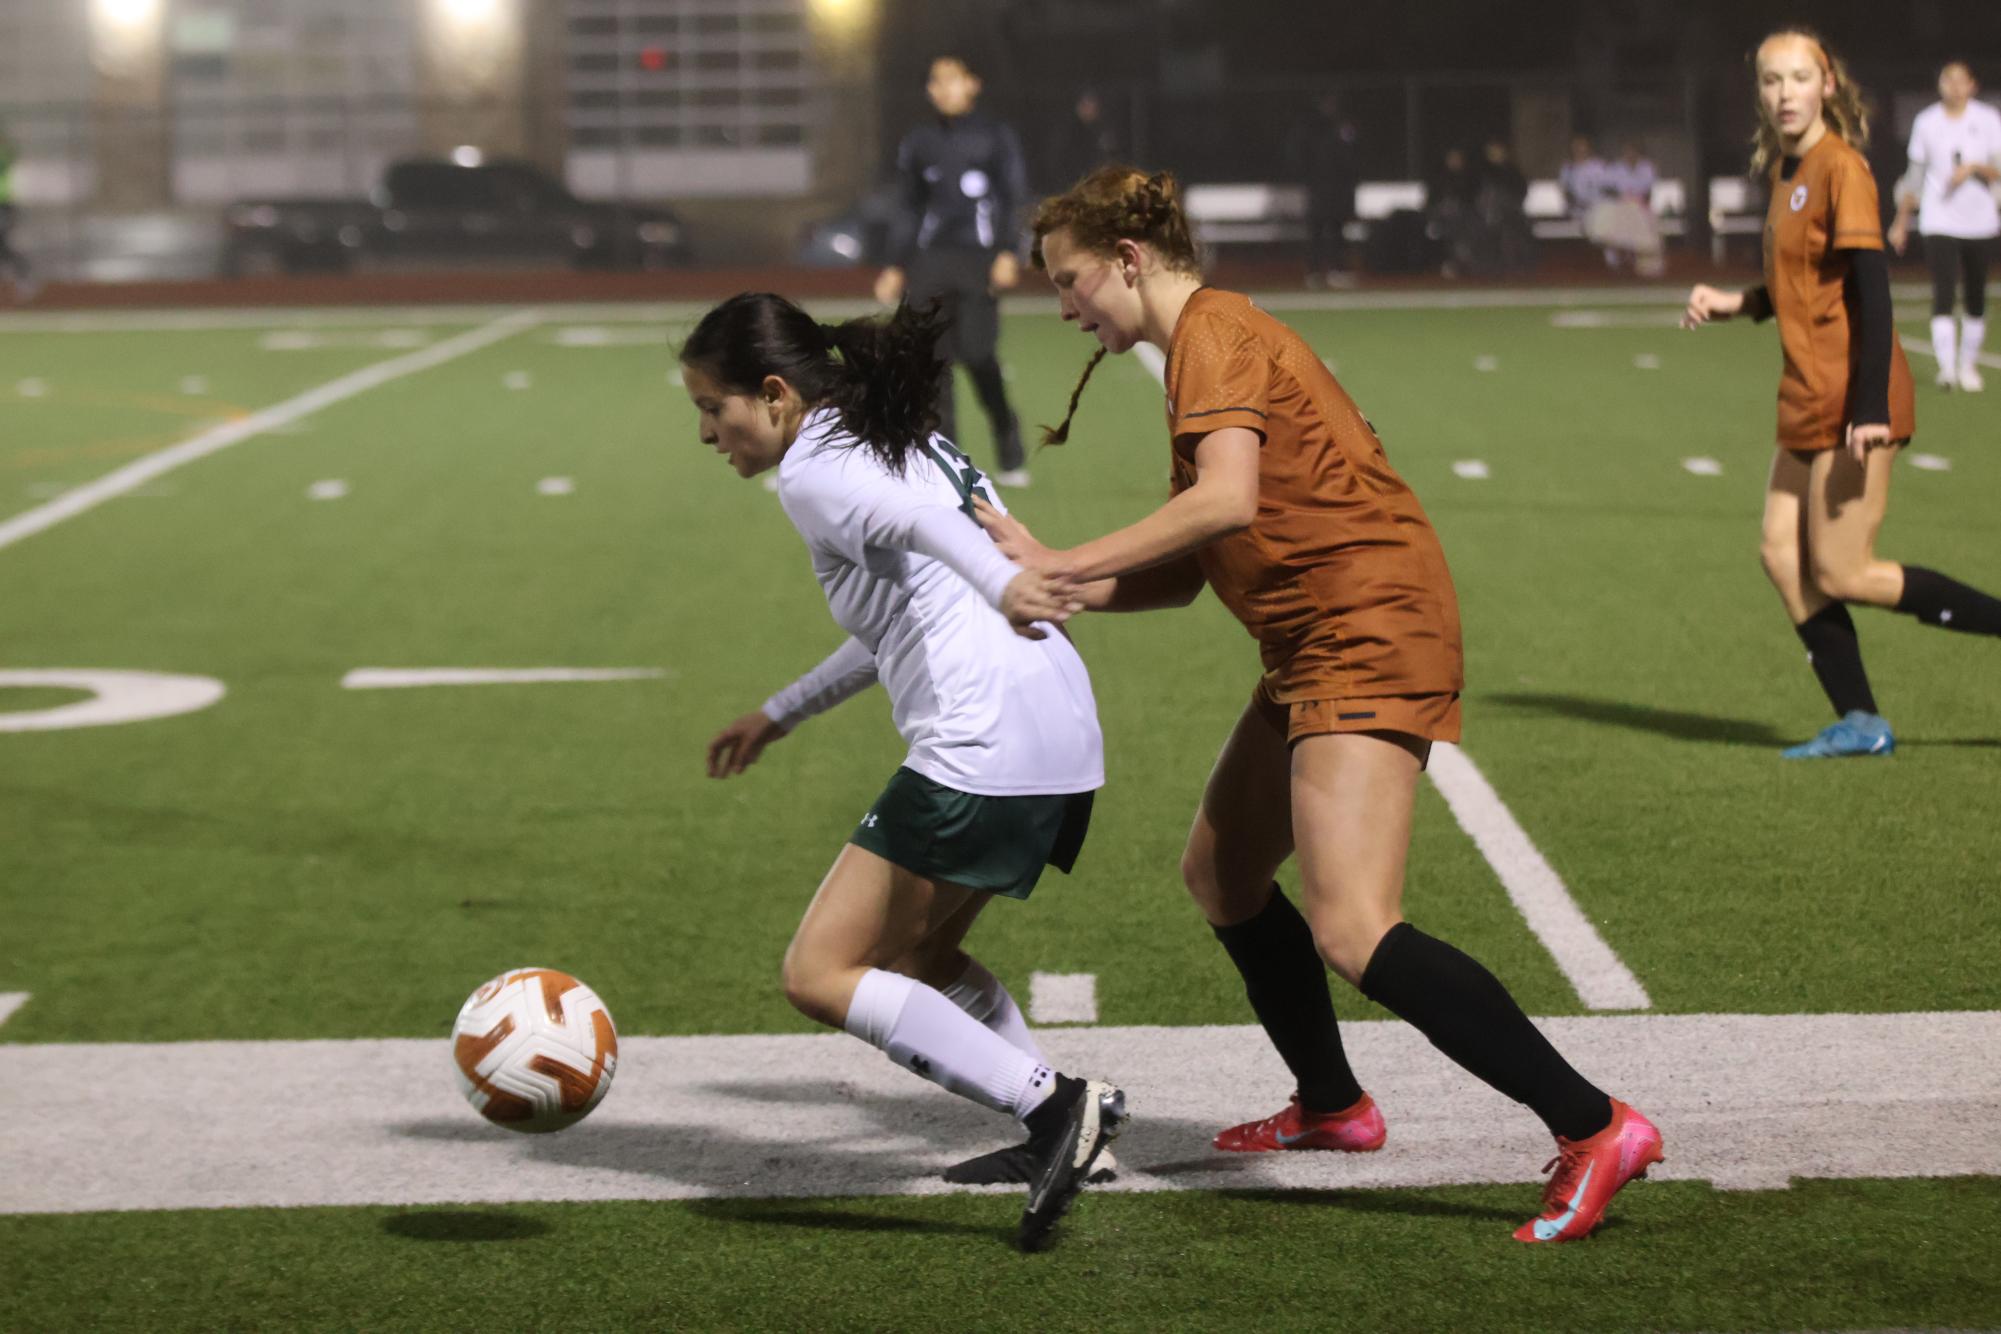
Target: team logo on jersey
[[973, 185], [1799, 197]]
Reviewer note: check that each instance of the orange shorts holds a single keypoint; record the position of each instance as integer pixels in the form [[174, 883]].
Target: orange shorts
[[1430, 717]]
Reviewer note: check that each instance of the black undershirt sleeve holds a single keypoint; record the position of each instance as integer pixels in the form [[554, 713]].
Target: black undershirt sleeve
[[1758, 303], [1869, 303]]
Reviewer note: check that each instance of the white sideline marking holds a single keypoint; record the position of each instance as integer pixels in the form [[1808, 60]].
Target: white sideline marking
[[331, 489], [1931, 462], [1472, 468], [135, 474], [1601, 981], [1746, 1101], [309, 340], [1602, 319], [404, 678], [555, 486], [11, 1001], [1646, 361], [598, 335], [116, 697], [1063, 998], [1703, 467], [1923, 347], [686, 312], [1486, 363]]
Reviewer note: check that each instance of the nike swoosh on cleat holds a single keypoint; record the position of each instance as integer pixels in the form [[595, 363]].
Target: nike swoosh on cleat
[[1289, 1140], [1549, 1229]]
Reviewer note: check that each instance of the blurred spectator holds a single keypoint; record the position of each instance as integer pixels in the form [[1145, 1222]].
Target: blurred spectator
[[1504, 221], [1085, 142], [11, 260], [1624, 222], [1451, 199], [963, 189], [1323, 153], [1582, 178]]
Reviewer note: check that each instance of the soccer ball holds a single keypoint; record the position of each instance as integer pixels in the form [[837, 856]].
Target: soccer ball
[[534, 1050]]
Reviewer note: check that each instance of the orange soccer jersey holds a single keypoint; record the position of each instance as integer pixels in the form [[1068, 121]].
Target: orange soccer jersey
[[1828, 206], [1340, 578]]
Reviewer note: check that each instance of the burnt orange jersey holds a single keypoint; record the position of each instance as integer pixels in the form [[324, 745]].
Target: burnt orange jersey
[[1340, 578], [1829, 205]]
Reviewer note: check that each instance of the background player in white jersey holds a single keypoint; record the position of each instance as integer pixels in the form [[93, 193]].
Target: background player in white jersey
[[1005, 751], [1955, 158]]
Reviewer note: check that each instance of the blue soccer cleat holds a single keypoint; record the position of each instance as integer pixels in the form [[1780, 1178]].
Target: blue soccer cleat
[[1858, 733]]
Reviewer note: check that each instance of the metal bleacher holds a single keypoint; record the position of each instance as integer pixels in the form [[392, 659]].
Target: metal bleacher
[[1252, 213]]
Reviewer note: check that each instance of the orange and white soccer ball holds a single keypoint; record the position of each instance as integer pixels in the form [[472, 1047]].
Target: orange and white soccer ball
[[534, 1049]]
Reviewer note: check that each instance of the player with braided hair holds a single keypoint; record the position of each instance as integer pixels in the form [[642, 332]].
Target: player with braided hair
[[1284, 503]]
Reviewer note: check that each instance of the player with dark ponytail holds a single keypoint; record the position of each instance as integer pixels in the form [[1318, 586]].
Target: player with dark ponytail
[[1005, 751]]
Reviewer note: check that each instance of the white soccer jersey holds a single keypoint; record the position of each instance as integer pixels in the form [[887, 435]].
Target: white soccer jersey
[[983, 710], [1940, 143]]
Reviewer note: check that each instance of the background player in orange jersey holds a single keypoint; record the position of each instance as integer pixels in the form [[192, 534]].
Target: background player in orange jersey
[[1283, 502], [1845, 399]]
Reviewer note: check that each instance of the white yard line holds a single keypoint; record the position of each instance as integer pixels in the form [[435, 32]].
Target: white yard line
[[1063, 998], [1600, 979], [11, 1001], [138, 473], [1538, 892], [1744, 1101], [1923, 347], [403, 678], [625, 312]]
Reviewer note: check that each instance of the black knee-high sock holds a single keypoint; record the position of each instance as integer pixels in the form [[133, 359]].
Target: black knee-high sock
[[1469, 1015], [1287, 985], [992, 387], [1836, 655], [1937, 600]]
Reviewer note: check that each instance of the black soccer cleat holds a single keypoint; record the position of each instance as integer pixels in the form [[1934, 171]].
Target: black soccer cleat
[[1015, 1166], [1064, 1157]]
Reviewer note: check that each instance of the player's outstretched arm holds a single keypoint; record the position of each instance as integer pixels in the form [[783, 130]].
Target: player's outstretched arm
[[737, 746], [1708, 305]]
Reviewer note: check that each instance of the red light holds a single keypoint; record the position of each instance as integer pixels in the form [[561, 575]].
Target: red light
[[654, 58]]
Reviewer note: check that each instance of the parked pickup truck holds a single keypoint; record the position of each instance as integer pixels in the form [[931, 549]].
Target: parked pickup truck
[[433, 213]]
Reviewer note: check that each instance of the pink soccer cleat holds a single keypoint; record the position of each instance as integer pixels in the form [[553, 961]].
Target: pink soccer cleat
[[1357, 1129], [1589, 1172]]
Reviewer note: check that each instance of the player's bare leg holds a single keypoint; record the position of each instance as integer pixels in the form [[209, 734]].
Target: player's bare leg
[[1353, 795]]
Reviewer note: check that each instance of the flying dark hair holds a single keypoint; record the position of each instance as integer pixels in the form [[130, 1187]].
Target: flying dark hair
[[880, 375]]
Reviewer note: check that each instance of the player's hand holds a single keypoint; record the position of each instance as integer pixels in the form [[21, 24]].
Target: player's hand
[[737, 746], [1033, 596], [1707, 304], [1900, 235], [1011, 535], [1005, 273], [1863, 438], [1960, 176], [889, 286]]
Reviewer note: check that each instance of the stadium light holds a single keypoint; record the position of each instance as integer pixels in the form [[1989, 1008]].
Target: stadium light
[[842, 14], [471, 12], [127, 15]]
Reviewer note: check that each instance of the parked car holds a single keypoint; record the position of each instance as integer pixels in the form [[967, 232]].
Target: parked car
[[860, 235], [444, 213]]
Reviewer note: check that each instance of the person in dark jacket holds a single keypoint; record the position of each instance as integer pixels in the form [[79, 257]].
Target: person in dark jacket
[[1324, 153], [957, 243]]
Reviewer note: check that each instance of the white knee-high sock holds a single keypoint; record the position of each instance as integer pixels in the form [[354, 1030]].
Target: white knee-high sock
[[1944, 341], [1972, 333], [915, 1026], [979, 993]]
